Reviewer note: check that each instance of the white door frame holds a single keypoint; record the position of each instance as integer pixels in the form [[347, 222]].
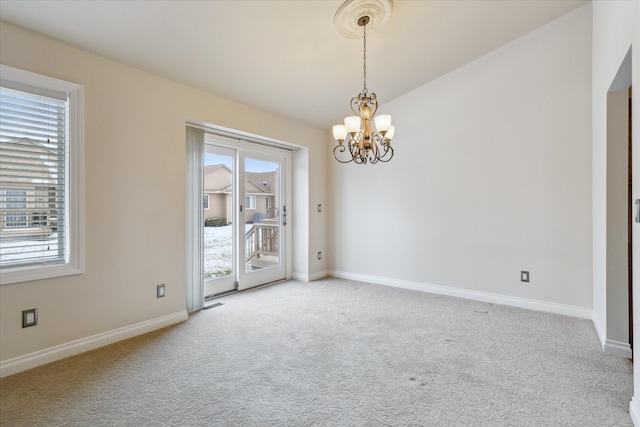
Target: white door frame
[[284, 158], [195, 283]]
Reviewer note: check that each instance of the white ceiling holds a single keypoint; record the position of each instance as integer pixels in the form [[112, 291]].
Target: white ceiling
[[284, 56]]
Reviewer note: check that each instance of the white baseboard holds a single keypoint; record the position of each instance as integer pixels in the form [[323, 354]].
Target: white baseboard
[[38, 358], [319, 275], [549, 307], [600, 331], [610, 346], [310, 277], [618, 348], [300, 276], [634, 411]]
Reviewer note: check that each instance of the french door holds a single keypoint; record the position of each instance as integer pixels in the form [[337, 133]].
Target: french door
[[244, 205]]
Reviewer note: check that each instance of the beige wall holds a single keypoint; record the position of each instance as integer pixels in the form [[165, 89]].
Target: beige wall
[[135, 197]]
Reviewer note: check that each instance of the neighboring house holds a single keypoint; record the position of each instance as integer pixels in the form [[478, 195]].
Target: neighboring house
[[218, 182], [261, 193], [28, 189]]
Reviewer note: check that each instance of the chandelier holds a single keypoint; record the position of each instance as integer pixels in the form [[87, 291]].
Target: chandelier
[[356, 136]]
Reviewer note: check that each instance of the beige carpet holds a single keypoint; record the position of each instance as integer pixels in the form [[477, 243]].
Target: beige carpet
[[333, 353]]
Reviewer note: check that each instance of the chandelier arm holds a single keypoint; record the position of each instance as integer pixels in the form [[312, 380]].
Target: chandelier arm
[[356, 153], [373, 159], [341, 149], [373, 101], [375, 149], [379, 138], [381, 148], [353, 146], [355, 105], [388, 149], [359, 155], [382, 159]]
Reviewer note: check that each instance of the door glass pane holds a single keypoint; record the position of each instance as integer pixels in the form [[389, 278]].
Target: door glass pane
[[218, 216], [262, 214]]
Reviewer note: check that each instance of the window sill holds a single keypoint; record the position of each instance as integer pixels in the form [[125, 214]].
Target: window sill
[[27, 274]]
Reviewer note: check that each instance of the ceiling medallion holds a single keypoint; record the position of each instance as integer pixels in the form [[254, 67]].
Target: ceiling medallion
[[346, 18]]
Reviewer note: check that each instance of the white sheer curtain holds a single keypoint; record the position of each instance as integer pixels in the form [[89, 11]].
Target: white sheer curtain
[[195, 158]]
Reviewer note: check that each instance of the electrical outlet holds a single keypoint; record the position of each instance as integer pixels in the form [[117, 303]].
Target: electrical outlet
[[524, 276], [30, 317], [319, 208], [160, 292], [319, 255]]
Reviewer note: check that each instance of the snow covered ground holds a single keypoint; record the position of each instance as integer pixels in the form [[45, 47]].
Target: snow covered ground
[[14, 250], [218, 250]]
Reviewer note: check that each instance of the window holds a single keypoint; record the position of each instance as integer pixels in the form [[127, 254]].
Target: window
[[15, 203], [205, 204], [41, 169], [249, 202]]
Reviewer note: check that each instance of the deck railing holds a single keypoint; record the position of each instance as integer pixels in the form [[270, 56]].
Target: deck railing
[[262, 239]]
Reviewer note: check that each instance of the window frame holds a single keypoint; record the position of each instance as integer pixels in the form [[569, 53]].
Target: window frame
[[74, 170], [251, 205]]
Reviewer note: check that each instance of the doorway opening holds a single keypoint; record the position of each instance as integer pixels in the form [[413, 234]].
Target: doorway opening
[[239, 196], [630, 219], [619, 215]]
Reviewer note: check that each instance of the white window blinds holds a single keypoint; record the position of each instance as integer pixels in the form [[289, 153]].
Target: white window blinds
[[33, 190]]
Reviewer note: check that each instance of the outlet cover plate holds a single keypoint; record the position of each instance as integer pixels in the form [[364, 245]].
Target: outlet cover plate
[[160, 292], [524, 276], [29, 317]]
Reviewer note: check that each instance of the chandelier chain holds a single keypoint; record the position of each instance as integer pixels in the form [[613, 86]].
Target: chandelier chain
[[364, 55]]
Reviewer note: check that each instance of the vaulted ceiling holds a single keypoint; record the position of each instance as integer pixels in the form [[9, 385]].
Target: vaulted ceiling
[[285, 56]]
